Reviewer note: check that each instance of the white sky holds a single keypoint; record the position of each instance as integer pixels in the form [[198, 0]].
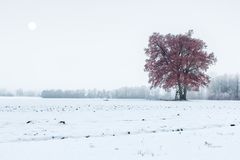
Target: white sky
[[74, 44]]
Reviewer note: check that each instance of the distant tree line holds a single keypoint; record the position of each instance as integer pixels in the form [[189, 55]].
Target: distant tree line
[[26, 93], [63, 94], [223, 87], [18, 93], [5, 93], [142, 92]]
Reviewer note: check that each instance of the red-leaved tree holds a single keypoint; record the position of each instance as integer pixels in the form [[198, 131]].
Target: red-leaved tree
[[178, 61]]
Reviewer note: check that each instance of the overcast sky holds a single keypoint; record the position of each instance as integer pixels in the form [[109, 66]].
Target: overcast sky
[[72, 44]]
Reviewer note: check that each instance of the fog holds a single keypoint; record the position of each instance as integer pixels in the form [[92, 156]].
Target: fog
[[71, 44]]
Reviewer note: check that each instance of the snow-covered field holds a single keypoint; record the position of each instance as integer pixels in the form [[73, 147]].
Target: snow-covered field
[[93, 129]]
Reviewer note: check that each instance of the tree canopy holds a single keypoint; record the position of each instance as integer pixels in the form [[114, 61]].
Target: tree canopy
[[178, 61]]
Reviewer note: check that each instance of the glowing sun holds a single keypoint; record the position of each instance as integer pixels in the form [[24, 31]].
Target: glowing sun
[[32, 26]]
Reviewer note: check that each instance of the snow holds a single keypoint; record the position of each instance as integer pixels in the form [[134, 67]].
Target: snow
[[95, 129]]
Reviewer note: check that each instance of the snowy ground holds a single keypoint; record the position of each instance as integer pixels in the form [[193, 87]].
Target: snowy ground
[[74, 129]]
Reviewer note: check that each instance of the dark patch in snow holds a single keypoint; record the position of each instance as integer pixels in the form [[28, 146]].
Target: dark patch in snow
[[29, 122], [179, 129], [62, 122]]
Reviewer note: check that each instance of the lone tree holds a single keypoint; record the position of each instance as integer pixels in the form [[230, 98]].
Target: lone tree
[[178, 61]]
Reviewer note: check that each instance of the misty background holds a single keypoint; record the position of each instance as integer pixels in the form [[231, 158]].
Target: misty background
[[82, 45]]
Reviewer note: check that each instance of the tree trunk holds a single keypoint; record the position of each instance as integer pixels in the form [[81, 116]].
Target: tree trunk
[[185, 93], [177, 94], [182, 92], [237, 88]]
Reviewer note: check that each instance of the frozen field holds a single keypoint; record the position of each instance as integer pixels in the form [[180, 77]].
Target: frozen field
[[93, 129]]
